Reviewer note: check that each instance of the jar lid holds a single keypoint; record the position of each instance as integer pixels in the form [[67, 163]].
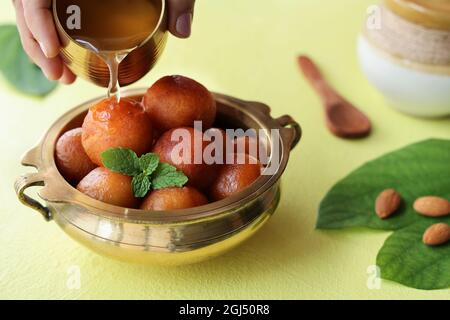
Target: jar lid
[[428, 13], [409, 41]]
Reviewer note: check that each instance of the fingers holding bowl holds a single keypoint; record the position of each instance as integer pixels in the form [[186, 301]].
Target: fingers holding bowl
[[181, 13], [39, 39]]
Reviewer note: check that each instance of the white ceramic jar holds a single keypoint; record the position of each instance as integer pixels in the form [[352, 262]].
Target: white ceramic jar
[[404, 51]]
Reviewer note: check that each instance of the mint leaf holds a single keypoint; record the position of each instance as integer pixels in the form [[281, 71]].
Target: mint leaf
[[141, 185], [167, 176], [170, 180], [148, 163], [164, 168], [146, 171], [121, 160], [17, 67]]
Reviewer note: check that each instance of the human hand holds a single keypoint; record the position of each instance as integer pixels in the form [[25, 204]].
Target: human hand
[[181, 13], [40, 39]]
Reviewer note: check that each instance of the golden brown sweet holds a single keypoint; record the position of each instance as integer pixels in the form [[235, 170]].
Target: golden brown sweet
[[110, 187], [177, 101], [173, 199], [110, 124], [233, 178], [72, 161], [185, 152]]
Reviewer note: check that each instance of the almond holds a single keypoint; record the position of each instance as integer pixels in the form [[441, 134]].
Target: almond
[[432, 206], [437, 234], [387, 203]]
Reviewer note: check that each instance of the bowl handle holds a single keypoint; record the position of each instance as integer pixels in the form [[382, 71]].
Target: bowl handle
[[284, 121], [293, 126], [31, 180]]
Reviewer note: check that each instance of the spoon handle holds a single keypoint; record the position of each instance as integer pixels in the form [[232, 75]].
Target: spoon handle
[[318, 82]]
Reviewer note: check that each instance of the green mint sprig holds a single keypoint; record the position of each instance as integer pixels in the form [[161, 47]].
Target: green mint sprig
[[147, 172]]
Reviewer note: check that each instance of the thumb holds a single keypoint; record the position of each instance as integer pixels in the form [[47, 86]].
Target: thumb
[[180, 17]]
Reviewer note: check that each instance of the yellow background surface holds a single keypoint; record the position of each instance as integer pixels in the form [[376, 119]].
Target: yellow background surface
[[246, 49]]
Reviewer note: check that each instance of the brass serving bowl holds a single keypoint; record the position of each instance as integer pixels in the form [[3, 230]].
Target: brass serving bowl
[[162, 238]]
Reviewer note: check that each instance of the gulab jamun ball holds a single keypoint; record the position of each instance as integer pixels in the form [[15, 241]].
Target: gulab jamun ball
[[112, 124], [177, 101], [174, 199], [171, 151], [71, 159], [233, 178], [110, 187]]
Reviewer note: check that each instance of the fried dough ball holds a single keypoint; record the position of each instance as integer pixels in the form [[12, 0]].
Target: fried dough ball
[[174, 199], [112, 124], [110, 187], [185, 152], [177, 101], [70, 157], [233, 178]]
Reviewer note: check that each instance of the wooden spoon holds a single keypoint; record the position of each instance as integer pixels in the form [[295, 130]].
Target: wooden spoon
[[343, 119]]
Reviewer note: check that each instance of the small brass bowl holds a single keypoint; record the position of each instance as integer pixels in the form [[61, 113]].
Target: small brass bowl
[[89, 66], [160, 238]]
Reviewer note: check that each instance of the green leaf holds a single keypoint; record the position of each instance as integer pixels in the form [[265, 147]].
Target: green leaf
[[17, 67], [121, 160], [141, 185], [148, 163], [405, 259], [416, 170], [164, 168], [167, 176], [8, 44]]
